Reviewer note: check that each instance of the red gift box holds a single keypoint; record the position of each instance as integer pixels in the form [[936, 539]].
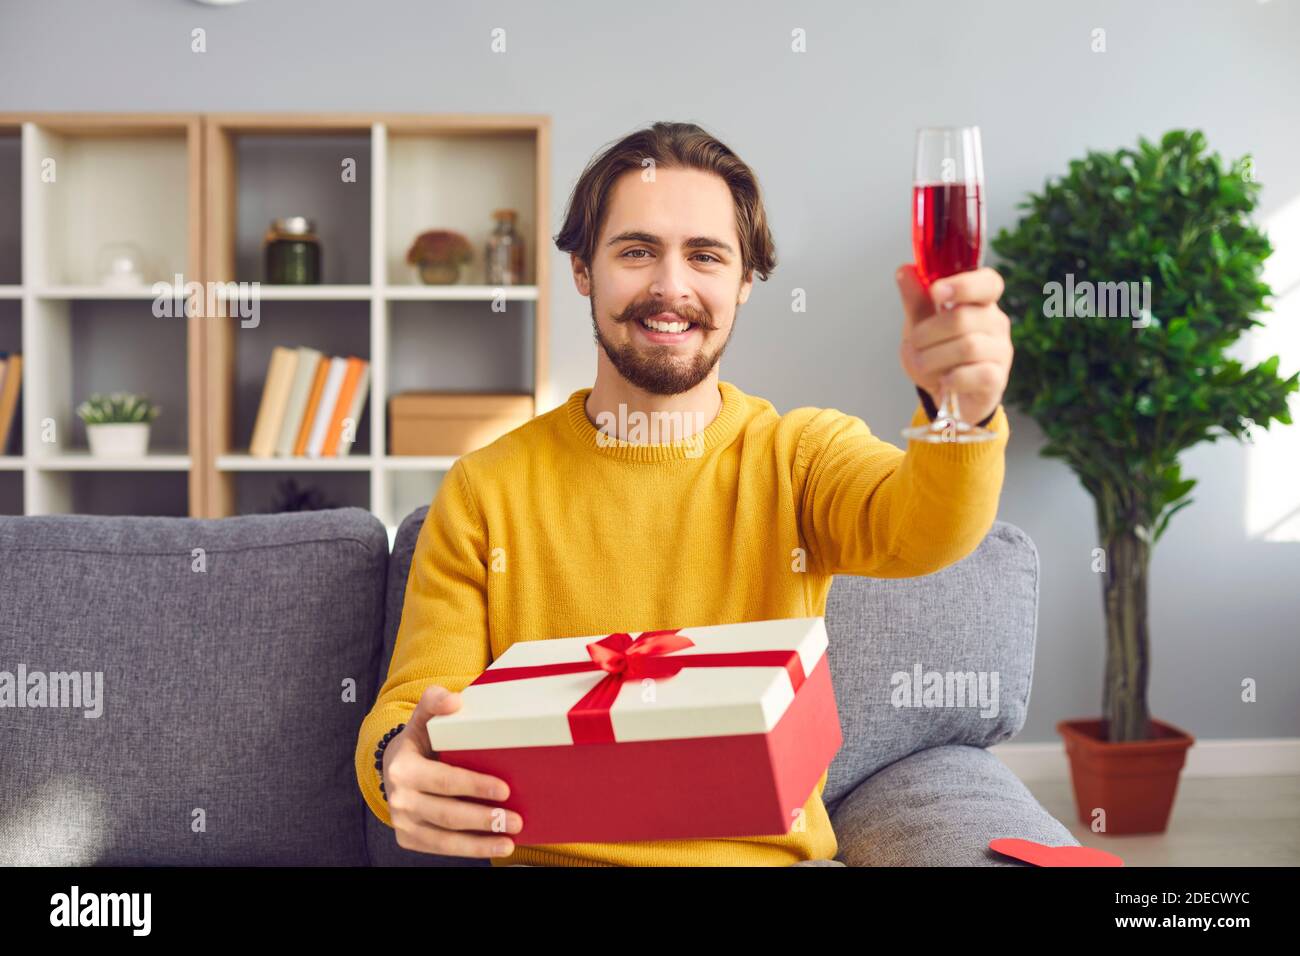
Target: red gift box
[[692, 732]]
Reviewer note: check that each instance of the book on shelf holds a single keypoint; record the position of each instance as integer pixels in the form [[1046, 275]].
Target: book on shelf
[[330, 396], [347, 421], [303, 377], [311, 404], [11, 369]]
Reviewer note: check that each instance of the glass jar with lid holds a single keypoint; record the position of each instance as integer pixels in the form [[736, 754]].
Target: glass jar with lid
[[292, 252]]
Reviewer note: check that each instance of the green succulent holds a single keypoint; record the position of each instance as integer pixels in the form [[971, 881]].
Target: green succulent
[[117, 408]]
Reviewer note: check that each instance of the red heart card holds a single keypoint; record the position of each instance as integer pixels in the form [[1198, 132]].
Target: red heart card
[[1042, 855]]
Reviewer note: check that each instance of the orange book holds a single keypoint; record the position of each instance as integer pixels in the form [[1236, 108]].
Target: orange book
[[342, 406], [13, 369], [309, 414]]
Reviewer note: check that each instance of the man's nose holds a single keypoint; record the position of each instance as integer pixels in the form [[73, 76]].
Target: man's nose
[[670, 281]]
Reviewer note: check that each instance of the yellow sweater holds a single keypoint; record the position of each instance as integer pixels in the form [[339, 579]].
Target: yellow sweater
[[548, 532]]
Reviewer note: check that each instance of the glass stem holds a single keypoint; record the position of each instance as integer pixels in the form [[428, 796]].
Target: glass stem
[[947, 410]]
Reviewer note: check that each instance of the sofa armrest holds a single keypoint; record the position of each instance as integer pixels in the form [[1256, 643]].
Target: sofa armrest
[[940, 807], [946, 658]]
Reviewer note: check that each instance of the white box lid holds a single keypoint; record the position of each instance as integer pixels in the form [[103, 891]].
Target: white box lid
[[696, 702]]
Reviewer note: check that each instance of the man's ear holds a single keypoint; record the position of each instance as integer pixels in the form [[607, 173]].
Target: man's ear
[[745, 286], [581, 274]]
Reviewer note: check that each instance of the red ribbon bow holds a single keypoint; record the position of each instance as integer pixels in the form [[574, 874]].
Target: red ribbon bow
[[624, 659]]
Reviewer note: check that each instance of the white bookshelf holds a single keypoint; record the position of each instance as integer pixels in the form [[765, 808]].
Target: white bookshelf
[[13, 466], [146, 294], [315, 293], [195, 192], [82, 181], [459, 293], [78, 460], [246, 462], [417, 173]]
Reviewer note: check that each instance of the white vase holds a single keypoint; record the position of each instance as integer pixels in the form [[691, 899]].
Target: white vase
[[119, 440]]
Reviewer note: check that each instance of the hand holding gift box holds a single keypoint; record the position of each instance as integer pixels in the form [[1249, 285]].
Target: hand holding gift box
[[426, 798], [686, 733]]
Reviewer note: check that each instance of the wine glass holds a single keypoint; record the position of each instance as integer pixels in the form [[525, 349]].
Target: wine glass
[[947, 238]]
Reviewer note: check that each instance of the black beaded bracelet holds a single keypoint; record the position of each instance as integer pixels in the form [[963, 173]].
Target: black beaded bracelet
[[379, 756]]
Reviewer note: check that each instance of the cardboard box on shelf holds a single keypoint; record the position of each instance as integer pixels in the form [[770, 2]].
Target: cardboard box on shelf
[[453, 423]]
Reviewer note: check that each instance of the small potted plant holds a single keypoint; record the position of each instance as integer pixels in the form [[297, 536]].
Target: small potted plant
[[117, 425], [438, 256]]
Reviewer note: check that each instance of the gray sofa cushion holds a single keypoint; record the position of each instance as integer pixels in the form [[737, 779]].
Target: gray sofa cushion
[[978, 615], [941, 807], [222, 689]]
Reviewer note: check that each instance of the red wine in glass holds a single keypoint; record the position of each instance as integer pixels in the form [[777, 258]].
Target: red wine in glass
[[946, 229], [947, 238]]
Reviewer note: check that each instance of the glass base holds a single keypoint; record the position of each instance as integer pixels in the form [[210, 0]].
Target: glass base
[[949, 430]]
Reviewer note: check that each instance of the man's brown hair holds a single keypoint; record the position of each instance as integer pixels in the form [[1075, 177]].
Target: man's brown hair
[[671, 146]]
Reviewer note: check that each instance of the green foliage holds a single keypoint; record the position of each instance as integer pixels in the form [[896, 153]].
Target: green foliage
[[117, 408], [1119, 402]]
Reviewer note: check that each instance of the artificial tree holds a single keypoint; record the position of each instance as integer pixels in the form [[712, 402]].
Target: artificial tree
[[1119, 397]]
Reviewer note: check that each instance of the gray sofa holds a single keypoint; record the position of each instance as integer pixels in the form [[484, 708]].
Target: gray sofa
[[235, 660]]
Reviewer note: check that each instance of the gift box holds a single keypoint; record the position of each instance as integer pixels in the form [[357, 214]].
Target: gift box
[[692, 732]]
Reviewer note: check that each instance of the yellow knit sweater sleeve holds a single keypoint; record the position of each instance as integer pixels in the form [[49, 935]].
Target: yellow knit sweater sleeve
[[868, 507], [443, 635]]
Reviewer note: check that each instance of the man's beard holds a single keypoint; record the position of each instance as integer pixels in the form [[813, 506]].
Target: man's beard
[[656, 368]]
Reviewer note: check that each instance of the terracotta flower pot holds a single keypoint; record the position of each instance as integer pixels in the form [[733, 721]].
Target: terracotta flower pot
[[1134, 781]]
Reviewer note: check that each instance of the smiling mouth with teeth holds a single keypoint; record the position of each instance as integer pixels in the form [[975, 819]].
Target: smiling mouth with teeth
[[654, 325]]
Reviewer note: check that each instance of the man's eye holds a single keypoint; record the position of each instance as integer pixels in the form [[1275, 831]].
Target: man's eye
[[708, 256]]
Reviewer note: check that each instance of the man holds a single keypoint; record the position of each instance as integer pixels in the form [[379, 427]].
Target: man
[[576, 524]]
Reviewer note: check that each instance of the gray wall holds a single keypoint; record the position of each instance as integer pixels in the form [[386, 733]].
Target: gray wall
[[830, 133]]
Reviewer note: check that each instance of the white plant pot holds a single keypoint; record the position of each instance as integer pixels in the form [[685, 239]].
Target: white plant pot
[[120, 440]]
